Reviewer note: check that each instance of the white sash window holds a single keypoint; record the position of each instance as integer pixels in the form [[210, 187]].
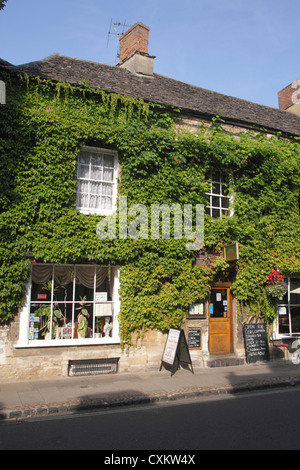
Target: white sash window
[[97, 181]]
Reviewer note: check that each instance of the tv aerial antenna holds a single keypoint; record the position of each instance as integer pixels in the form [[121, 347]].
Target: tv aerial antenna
[[117, 29]]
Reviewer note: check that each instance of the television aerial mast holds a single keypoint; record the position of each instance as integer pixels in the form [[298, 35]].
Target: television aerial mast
[[117, 29]]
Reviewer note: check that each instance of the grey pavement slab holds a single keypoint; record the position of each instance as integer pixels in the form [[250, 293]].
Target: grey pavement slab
[[22, 399]]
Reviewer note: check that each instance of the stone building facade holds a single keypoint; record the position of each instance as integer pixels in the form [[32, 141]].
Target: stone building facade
[[23, 353]]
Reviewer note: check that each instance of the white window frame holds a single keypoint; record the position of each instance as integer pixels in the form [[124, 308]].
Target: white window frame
[[221, 197], [287, 308], [25, 342], [104, 212]]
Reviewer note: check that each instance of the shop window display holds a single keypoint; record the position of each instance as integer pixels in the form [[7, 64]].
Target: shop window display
[[68, 303]]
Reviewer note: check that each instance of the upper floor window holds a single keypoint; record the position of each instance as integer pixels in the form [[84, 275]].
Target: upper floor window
[[97, 181], [219, 197]]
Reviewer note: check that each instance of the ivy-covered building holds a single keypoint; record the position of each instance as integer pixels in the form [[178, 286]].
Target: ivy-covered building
[[92, 158]]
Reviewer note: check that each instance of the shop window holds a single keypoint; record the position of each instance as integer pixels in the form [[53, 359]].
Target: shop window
[[97, 181], [219, 200], [70, 303], [288, 321]]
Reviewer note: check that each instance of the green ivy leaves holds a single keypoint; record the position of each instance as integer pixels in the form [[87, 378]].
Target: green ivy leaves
[[43, 126]]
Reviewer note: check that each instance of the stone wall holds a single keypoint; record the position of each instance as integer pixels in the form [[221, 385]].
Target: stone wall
[[35, 363]]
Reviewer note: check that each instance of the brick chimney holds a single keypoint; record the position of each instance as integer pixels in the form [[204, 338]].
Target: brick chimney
[[134, 50], [289, 98]]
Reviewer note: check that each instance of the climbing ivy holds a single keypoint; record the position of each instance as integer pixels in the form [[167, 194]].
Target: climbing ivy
[[43, 126]]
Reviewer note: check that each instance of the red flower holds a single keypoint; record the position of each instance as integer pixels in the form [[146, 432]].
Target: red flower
[[274, 277]]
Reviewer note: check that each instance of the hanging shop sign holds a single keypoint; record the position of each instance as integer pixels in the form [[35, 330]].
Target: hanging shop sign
[[231, 252]]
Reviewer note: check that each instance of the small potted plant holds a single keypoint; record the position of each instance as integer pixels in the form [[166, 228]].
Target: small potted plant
[[82, 318], [98, 327], [44, 313]]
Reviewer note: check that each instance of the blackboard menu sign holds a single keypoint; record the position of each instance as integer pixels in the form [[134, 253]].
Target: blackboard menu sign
[[256, 342], [194, 337]]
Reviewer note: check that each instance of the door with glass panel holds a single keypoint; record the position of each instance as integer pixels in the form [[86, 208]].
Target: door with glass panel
[[220, 320]]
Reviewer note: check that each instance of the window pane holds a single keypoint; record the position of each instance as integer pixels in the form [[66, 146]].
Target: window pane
[[215, 201], [107, 174], [62, 321], [63, 283], [295, 291], [217, 299], [106, 203], [295, 319], [84, 157], [215, 213], [225, 202], [84, 288], [83, 187], [283, 321], [96, 172], [83, 171], [95, 202], [107, 189], [39, 321], [82, 200], [83, 320], [108, 161], [96, 159], [216, 188], [95, 188], [41, 292]]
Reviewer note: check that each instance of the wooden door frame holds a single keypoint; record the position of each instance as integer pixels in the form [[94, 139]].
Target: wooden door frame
[[223, 285]]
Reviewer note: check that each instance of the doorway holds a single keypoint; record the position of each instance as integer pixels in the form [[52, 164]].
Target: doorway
[[220, 319]]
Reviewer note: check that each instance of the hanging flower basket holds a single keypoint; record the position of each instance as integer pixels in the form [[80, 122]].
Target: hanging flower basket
[[275, 285]]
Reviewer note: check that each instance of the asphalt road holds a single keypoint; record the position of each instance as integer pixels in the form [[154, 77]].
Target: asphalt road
[[257, 421]]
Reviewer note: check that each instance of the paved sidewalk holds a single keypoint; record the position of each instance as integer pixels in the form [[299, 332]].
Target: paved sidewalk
[[21, 400]]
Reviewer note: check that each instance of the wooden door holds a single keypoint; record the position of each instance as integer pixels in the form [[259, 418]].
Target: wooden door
[[220, 320]]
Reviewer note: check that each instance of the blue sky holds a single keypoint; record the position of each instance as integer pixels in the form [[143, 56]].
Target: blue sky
[[243, 48]]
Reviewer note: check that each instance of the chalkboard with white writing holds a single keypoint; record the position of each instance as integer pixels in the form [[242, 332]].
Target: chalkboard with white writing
[[194, 337], [256, 342]]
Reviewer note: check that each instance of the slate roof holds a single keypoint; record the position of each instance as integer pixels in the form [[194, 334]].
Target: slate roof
[[164, 90], [4, 62]]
